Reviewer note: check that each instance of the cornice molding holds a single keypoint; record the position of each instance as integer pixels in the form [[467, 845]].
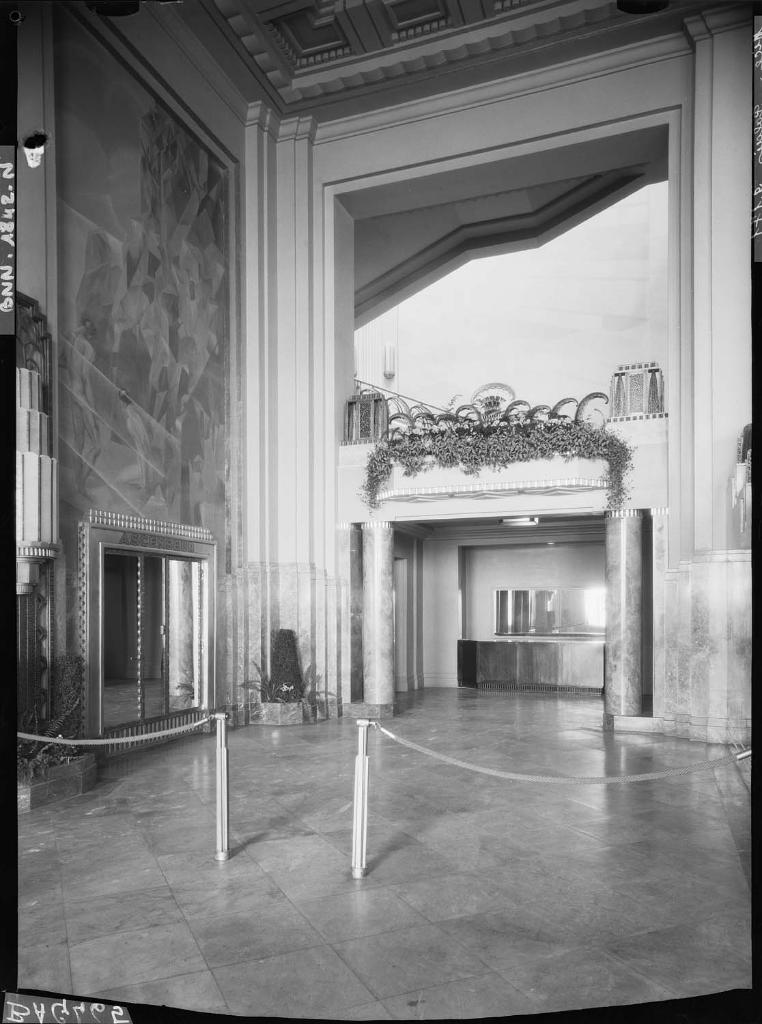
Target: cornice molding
[[298, 128], [260, 115], [726, 17], [457, 101], [696, 30], [716, 20]]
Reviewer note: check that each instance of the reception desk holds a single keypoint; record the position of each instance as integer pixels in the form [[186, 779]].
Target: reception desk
[[565, 663]]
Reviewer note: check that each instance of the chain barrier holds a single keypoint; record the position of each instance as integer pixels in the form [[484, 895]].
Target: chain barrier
[[111, 740], [222, 852], [573, 780]]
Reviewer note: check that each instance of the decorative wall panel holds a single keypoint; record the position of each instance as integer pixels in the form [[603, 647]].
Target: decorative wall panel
[[143, 298]]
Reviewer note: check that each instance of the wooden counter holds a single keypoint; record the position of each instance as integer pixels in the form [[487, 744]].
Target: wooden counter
[[564, 663]]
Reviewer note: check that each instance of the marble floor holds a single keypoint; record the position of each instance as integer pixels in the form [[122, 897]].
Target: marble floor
[[484, 897]]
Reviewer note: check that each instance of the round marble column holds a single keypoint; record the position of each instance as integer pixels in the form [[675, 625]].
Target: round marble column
[[623, 691], [378, 617]]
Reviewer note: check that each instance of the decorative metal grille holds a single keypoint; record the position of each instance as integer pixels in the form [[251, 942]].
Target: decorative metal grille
[[637, 391]]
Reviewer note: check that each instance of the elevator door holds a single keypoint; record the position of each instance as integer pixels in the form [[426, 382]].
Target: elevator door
[[153, 628]]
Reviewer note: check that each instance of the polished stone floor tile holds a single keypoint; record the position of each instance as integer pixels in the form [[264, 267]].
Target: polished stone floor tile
[[120, 912], [581, 979], [523, 888], [368, 1011], [357, 914], [455, 895], [406, 959], [41, 922], [220, 896], [310, 983], [199, 867], [197, 991], [486, 996], [507, 937], [691, 958], [110, 879], [274, 927], [130, 957], [46, 967]]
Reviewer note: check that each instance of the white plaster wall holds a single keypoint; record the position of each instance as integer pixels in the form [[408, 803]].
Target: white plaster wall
[[440, 618], [551, 322], [495, 567]]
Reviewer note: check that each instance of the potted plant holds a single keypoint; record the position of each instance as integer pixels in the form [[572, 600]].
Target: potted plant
[[53, 771], [281, 691]]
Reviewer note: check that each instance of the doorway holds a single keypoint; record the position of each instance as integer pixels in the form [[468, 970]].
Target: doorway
[[152, 636]]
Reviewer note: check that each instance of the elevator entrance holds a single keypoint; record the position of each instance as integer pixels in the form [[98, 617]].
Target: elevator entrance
[[147, 622], [152, 636]]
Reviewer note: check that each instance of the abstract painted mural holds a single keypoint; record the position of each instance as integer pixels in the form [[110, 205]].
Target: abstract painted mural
[[143, 298]]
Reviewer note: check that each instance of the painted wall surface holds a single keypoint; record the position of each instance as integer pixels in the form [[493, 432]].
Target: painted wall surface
[[143, 299], [503, 567], [440, 613], [551, 322], [407, 548]]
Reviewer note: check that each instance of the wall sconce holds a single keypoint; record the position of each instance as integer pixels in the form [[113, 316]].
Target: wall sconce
[[390, 362], [34, 147]]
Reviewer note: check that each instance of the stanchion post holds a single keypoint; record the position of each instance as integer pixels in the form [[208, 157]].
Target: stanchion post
[[360, 817], [223, 844]]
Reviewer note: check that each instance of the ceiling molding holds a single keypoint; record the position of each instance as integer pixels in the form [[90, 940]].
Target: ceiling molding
[[559, 74], [328, 57]]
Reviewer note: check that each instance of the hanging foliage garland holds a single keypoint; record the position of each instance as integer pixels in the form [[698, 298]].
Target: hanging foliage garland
[[472, 445]]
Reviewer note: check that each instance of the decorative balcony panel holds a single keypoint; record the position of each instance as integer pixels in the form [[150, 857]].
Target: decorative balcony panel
[[366, 418], [539, 476], [637, 391]]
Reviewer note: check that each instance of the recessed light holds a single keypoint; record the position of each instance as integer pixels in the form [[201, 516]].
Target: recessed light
[[521, 521]]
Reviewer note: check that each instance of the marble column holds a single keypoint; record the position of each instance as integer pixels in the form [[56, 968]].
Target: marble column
[[378, 618], [659, 563], [624, 585]]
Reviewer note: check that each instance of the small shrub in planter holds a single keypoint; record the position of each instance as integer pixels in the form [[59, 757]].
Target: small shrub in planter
[[50, 771], [281, 691]]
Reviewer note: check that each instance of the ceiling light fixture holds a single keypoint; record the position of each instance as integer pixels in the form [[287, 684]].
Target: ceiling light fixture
[[521, 521]]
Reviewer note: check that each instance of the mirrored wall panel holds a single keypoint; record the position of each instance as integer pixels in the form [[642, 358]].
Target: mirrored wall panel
[[568, 611]]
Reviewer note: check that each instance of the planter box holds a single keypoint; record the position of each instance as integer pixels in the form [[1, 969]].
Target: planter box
[[294, 713], [58, 783], [556, 474]]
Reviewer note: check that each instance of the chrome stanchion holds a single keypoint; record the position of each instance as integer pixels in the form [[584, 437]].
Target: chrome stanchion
[[223, 845], [360, 816]]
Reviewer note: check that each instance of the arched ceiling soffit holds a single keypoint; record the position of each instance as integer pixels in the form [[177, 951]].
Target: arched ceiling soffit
[[336, 57], [411, 233]]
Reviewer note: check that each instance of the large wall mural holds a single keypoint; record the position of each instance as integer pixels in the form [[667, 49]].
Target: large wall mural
[[143, 298]]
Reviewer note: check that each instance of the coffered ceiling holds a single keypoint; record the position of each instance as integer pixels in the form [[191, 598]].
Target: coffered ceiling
[[334, 57]]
